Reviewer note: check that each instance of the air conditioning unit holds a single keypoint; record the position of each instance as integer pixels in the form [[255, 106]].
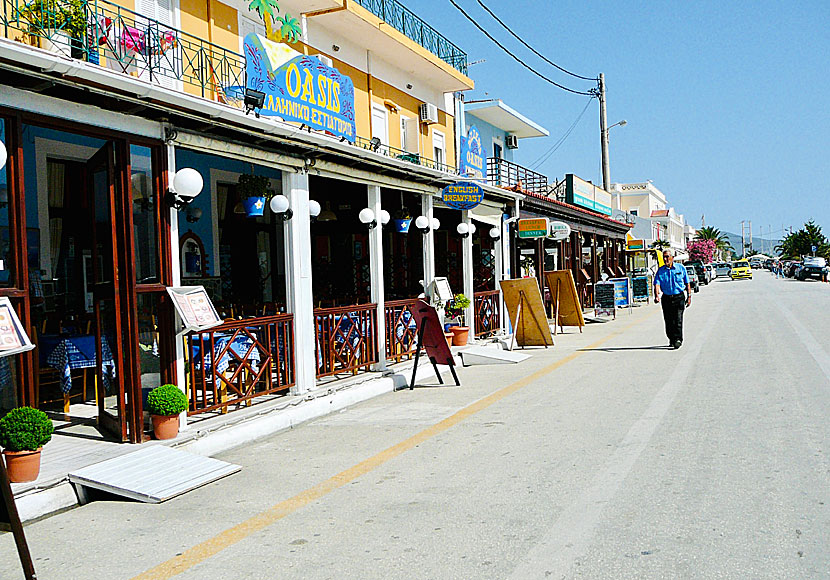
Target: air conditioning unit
[[512, 142], [325, 60], [428, 113]]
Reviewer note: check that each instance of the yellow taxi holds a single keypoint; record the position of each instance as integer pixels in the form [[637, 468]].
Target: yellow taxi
[[740, 269]]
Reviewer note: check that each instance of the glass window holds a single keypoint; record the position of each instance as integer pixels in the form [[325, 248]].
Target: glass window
[[145, 215], [6, 254]]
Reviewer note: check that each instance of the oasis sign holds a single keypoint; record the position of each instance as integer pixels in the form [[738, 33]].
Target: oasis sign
[[473, 155], [462, 195], [300, 88]]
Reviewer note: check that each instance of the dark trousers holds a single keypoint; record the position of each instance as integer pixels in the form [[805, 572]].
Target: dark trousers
[[673, 307]]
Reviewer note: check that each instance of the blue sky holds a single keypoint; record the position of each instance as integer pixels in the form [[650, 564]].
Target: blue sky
[[726, 102]]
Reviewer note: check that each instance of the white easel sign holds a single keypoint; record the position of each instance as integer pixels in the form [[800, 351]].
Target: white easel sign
[[194, 307], [13, 339]]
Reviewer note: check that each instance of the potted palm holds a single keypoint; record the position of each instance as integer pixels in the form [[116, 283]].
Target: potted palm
[[456, 309], [253, 191], [165, 404], [23, 433]]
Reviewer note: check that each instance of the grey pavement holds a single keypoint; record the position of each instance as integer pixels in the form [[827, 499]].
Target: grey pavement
[[608, 456]]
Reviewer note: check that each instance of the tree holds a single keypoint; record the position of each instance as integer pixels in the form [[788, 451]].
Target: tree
[[660, 244], [800, 243], [701, 250], [721, 240]]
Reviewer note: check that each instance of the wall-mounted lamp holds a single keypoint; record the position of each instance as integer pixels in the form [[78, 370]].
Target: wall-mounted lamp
[[367, 216], [254, 101], [435, 223], [408, 85], [193, 214], [187, 184], [313, 209], [384, 217], [335, 47], [463, 230], [374, 144], [279, 205], [472, 228], [495, 232], [422, 223], [3, 155]]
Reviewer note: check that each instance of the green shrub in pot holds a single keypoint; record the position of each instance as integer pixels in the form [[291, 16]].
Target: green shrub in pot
[[166, 400]]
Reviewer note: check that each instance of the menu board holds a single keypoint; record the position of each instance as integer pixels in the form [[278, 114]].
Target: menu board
[[604, 299], [622, 292], [13, 339], [640, 287], [194, 307]]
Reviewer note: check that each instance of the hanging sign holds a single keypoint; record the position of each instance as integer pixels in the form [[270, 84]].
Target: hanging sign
[[300, 88], [463, 195], [473, 155], [194, 307], [529, 228], [13, 339], [559, 231]]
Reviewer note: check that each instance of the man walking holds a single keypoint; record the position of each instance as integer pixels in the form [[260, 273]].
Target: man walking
[[669, 283]]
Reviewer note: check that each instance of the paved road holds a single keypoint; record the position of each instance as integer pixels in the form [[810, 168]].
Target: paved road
[[608, 456]]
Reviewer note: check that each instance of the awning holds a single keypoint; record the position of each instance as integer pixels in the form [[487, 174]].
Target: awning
[[486, 214]]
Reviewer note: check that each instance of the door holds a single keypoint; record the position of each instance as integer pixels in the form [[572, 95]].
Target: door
[[106, 306]]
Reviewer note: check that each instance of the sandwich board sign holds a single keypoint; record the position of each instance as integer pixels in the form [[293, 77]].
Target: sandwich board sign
[[566, 306], [194, 307], [13, 338], [604, 299], [622, 292]]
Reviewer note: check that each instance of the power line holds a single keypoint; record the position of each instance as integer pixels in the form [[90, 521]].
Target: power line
[[591, 93], [536, 52], [547, 154]]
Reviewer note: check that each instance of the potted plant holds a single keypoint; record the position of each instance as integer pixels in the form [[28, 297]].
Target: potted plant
[[456, 308], [253, 190], [23, 433], [60, 24], [401, 220], [165, 404]]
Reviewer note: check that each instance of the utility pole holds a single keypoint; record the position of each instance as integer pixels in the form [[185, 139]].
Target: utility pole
[[603, 132], [743, 240], [750, 234]]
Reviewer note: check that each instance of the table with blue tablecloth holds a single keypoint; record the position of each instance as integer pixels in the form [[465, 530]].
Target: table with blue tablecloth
[[239, 347], [70, 352]]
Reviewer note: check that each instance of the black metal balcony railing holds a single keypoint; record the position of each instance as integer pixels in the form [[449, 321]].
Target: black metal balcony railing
[[416, 158], [411, 26], [502, 173]]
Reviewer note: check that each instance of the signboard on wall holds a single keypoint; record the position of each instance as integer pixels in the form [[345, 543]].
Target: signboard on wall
[[585, 194], [462, 195], [559, 231], [300, 88], [529, 228], [194, 307], [473, 159]]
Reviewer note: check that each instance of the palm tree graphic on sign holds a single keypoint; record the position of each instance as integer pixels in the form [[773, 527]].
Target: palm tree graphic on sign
[[289, 28]]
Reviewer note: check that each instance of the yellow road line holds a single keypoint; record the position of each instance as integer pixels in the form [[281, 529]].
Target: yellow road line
[[201, 552]]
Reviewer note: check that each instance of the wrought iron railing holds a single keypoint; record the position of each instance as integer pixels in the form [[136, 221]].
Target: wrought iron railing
[[416, 158], [486, 307], [119, 39], [346, 339], [502, 173], [414, 28], [401, 331], [238, 361]]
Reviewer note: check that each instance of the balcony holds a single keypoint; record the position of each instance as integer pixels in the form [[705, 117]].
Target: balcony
[[502, 173], [411, 26], [376, 146]]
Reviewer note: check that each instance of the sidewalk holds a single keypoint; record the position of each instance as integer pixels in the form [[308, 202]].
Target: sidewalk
[[79, 445]]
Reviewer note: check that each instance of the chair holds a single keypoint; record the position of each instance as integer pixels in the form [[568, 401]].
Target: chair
[[46, 376]]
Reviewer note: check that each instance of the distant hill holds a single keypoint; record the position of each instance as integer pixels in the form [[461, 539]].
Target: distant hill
[[763, 245]]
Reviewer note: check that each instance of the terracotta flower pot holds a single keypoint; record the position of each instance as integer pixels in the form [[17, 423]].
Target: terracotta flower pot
[[22, 466], [460, 335], [165, 426], [448, 336]]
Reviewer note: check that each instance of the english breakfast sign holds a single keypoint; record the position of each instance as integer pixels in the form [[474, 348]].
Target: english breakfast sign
[[463, 195], [300, 88]]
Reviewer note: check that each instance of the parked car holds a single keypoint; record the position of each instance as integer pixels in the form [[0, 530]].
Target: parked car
[[710, 271], [740, 269], [694, 281], [722, 269], [755, 263], [812, 268], [701, 271], [790, 268]]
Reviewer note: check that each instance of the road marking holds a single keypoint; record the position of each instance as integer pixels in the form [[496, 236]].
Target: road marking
[[813, 346], [556, 553], [209, 548]]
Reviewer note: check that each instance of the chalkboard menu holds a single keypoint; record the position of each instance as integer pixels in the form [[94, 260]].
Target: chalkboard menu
[[604, 299], [640, 287]]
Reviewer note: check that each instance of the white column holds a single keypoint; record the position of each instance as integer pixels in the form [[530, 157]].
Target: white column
[[299, 297], [467, 265], [176, 269], [376, 274], [429, 241], [501, 271]]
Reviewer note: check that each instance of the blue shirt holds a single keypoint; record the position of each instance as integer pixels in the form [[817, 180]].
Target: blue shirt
[[672, 280]]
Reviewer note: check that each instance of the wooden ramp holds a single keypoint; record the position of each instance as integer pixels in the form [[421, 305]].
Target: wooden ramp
[[153, 474]]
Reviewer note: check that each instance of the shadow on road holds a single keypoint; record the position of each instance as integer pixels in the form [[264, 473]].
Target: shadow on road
[[616, 348]]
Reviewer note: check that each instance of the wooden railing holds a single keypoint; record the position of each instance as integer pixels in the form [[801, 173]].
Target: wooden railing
[[346, 339], [401, 335], [486, 306], [238, 361]]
